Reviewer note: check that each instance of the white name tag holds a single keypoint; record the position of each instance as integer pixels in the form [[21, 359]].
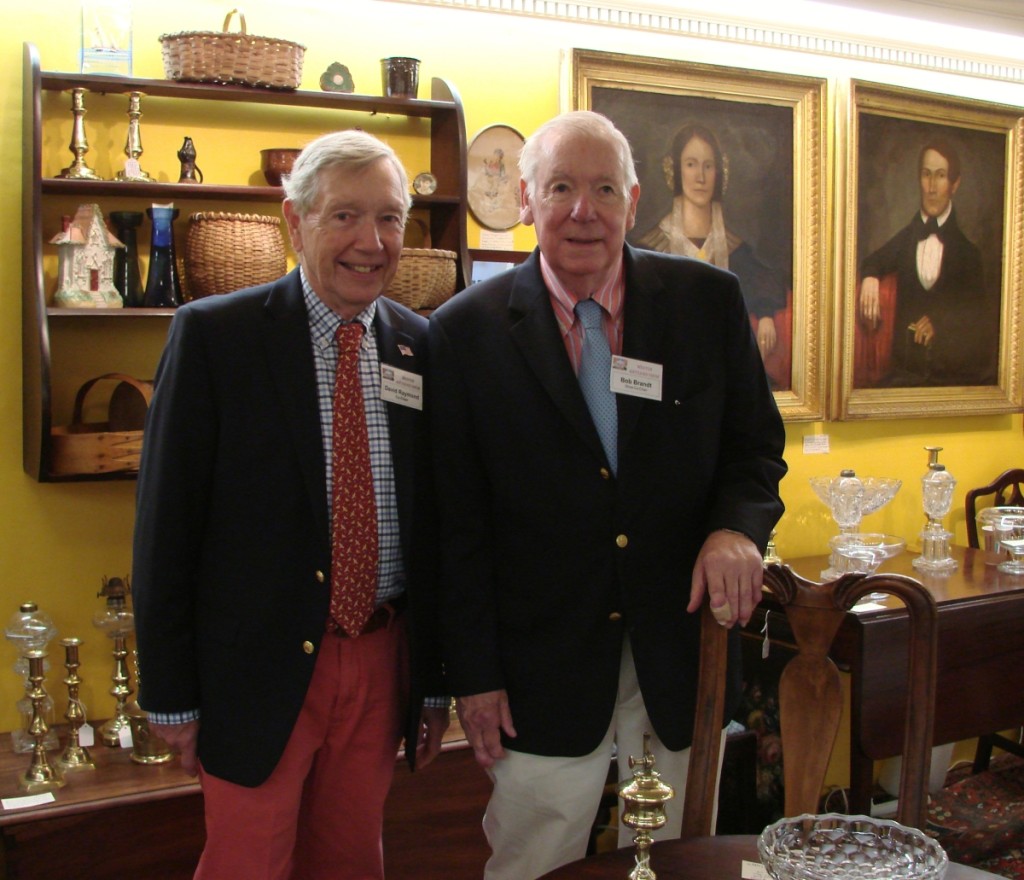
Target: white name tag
[[635, 377], [401, 387]]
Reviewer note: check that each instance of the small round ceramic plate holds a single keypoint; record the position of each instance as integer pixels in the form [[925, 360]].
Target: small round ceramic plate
[[424, 183]]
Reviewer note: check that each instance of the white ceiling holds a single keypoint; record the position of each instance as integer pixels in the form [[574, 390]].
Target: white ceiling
[[999, 16]]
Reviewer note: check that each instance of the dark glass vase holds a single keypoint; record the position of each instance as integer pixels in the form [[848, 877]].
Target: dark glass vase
[[163, 286], [127, 278]]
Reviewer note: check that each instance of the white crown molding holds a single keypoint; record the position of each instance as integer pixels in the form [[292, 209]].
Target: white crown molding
[[652, 17]]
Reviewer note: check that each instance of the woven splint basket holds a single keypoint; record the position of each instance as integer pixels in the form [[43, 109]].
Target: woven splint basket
[[226, 252], [425, 278], [232, 58]]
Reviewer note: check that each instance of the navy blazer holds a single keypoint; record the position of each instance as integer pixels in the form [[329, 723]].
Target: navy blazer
[[231, 569], [548, 560]]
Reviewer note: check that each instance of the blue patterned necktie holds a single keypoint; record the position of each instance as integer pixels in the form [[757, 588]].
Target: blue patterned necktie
[[595, 378]]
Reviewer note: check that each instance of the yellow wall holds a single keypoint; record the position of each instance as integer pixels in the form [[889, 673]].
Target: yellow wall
[[57, 541]]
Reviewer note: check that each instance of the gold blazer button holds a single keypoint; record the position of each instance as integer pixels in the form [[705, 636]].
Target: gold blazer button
[[621, 541], [320, 576], [615, 615], [308, 647]]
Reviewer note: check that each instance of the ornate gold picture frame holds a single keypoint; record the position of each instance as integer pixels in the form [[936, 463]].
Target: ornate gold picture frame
[[930, 312], [769, 207]]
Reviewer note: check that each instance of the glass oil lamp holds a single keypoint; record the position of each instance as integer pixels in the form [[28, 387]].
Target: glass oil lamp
[[118, 622], [937, 496], [30, 629]]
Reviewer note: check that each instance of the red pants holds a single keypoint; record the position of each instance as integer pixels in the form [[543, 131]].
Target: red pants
[[320, 813]]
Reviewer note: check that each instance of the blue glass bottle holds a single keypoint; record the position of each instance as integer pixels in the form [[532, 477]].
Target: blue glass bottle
[[127, 279], [163, 287]]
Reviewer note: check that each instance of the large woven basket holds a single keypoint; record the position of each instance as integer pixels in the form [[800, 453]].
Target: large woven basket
[[108, 446], [225, 252], [425, 278], [232, 58]]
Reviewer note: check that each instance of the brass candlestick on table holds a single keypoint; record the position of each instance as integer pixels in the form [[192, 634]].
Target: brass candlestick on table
[[79, 146], [147, 747], [644, 796], [75, 755], [41, 775], [117, 622]]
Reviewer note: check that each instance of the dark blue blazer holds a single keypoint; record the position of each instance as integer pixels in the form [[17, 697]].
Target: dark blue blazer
[[548, 560], [231, 570]]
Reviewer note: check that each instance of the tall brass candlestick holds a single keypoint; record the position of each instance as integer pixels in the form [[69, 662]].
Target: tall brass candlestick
[[133, 144], [41, 774], [147, 747], [110, 732], [79, 146], [644, 796], [75, 755]]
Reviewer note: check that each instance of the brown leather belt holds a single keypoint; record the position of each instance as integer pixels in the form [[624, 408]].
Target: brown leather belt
[[381, 617]]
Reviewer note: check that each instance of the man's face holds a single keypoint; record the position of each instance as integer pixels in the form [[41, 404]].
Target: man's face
[[936, 188], [581, 209], [350, 242]]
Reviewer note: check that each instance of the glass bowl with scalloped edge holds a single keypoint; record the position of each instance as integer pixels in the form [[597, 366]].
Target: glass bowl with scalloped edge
[[833, 846]]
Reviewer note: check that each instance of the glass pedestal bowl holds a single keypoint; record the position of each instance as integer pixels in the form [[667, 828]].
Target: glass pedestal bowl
[[838, 847], [863, 552]]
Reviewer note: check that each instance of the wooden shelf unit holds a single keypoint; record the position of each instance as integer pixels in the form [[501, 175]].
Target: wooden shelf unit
[[446, 210]]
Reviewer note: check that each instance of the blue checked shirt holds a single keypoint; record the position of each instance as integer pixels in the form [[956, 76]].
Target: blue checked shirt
[[323, 324]]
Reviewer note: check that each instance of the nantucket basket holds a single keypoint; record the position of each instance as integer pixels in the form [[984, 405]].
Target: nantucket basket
[[225, 252], [103, 447], [425, 278], [232, 58]]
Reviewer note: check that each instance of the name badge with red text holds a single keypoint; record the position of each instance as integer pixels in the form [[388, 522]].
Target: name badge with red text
[[636, 377], [401, 387]]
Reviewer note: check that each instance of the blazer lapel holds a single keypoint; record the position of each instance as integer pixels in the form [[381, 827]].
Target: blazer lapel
[[535, 332], [644, 336], [288, 351]]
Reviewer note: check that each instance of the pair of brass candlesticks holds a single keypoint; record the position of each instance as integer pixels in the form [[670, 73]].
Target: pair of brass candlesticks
[[79, 146]]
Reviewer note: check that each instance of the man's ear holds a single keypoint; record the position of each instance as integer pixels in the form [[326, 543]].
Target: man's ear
[[954, 187], [525, 211]]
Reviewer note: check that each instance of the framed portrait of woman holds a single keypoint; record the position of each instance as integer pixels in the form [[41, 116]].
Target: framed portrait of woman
[[932, 276], [732, 167]]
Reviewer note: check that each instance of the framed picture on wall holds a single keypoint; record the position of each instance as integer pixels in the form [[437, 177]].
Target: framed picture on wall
[[492, 163], [931, 279], [732, 169]]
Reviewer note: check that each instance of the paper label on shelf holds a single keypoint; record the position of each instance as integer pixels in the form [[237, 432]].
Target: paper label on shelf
[[753, 871], [816, 444], [31, 800], [124, 737], [496, 241]]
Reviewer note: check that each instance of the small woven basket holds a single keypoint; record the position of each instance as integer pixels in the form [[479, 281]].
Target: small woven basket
[[425, 278], [226, 252], [232, 58], [103, 447]]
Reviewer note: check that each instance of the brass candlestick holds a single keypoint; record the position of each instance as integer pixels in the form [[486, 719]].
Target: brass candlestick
[[770, 553], [79, 146], [41, 774], [117, 622], [133, 145], [147, 747], [75, 755], [644, 796]]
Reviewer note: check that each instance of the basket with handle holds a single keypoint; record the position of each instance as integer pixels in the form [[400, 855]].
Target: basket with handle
[[228, 251], [232, 58], [110, 446], [425, 278]]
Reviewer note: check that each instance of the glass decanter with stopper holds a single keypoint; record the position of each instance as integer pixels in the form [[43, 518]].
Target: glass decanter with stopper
[[937, 497]]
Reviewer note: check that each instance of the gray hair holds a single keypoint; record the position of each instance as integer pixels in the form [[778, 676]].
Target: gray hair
[[352, 149], [578, 122]]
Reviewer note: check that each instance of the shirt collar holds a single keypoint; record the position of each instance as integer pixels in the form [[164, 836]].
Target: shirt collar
[[324, 321], [609, 295]]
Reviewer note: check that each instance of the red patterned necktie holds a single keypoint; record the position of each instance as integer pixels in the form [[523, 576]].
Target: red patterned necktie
[[353, 506]]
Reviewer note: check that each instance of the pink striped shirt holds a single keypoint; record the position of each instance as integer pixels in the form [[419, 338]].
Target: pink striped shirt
[[610, 296]]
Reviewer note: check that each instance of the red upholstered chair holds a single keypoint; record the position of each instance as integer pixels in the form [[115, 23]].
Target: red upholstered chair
[[1005, 490], [872, 343]]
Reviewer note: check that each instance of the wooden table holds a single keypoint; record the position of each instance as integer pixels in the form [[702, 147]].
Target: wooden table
[[980, 659], [699, 858], [127, 820]]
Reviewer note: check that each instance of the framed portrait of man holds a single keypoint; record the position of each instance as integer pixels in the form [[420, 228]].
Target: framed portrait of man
[[731, 165], [932, 271]]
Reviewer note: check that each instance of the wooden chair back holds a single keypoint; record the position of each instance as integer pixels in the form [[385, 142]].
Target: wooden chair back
[[810, 694], [1004, 489]]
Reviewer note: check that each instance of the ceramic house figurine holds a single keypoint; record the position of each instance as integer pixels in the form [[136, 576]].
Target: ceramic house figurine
[[85, 270]]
